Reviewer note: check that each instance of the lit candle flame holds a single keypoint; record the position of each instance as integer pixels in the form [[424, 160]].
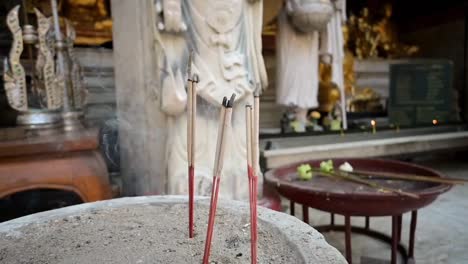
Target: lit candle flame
[[374, 129], [434, 122]]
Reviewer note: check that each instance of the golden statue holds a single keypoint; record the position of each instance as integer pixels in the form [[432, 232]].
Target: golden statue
[[367, 37], [388, 38], [91, 18], [329, 93], [386, 29], [348, 65], [380, 39]]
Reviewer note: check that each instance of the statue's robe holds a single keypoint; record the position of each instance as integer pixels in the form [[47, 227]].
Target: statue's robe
[[298, 60]]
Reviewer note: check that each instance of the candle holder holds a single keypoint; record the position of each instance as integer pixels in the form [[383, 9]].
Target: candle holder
[[36, 87], [39, 119], [68, 67], [374, 126]]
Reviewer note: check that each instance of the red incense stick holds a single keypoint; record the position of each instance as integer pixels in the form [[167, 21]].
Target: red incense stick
[[191, 125], [255, 169], [225, 121], [251, 175], [191, 202], [189, 155]]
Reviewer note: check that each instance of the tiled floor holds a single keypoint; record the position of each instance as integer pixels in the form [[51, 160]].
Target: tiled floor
[[441, 233]]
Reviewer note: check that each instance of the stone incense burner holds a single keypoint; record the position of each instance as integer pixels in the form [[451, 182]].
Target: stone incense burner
[[154, 229]]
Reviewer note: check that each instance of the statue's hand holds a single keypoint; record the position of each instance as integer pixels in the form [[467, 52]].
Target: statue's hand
[[171, 14], [214, 93], [173, 96], [242, 90]]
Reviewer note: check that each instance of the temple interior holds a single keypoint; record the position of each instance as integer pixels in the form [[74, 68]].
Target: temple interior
[[345, 118]]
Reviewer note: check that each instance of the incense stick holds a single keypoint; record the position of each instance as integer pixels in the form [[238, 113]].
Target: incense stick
[[189, 122], [194, 116], [249, 127], [378, 186], [250, 176], [191, 136], [193, 152], [189, 155], [255, 131], [356, 179], [226, 125], [255, 170], [222, 114], [410, 177], [225, 122]]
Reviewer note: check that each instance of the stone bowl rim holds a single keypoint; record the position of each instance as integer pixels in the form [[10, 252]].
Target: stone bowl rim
[[303, 235]]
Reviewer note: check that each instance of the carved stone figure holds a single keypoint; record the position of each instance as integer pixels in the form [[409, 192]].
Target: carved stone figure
[[225, 37], [315, 32]]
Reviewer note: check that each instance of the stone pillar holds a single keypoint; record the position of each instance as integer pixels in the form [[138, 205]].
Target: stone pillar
[[141, 123]]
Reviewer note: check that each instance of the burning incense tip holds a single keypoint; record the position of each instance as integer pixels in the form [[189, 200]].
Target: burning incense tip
[[230, 103], [224, 101], [195, 78]]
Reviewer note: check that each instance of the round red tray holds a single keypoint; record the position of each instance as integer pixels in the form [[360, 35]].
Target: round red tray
[[349, 198]]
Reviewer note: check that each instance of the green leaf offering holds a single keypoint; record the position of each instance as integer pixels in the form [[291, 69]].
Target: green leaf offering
[[305, 172], [326, 166]]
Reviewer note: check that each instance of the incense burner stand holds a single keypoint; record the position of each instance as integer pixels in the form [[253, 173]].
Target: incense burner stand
[[354, 200]]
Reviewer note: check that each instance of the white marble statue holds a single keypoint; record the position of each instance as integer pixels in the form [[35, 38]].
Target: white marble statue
[[307, 31], [334, 42], [225, 36]]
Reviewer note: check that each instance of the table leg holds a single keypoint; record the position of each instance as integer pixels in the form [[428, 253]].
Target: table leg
[[305, 214], [367, 222], [400, 222], [394, 239], [332, 219], [414, 219], [291, 207], [349, 255]]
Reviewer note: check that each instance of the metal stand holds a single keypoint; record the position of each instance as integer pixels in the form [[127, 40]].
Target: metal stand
[[72, 120], [393, 240], [40, 121]]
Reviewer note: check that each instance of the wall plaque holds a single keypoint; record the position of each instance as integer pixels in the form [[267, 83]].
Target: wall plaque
[[422, 93]]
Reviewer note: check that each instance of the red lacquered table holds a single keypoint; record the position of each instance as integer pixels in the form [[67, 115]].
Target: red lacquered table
[[352, 199], [68, 161]]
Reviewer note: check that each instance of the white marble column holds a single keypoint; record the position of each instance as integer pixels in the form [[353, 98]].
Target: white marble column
[[141, 124]]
